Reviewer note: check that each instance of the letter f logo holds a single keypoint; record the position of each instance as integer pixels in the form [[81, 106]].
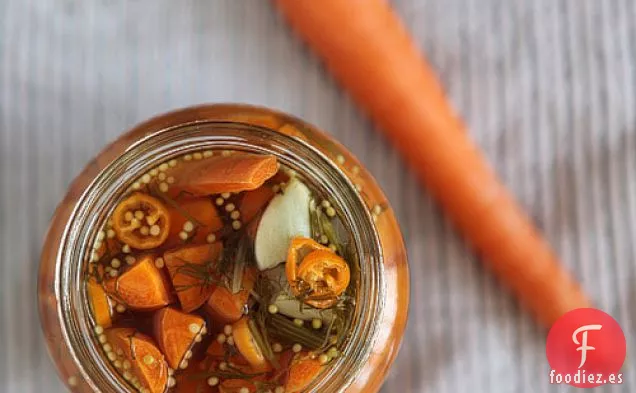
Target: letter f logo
[[583, 344]]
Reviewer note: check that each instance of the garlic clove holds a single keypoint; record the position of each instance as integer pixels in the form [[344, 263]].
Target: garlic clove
[[286, 217]]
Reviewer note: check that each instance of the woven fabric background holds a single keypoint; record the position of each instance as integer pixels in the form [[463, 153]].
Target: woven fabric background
[[548, 88]]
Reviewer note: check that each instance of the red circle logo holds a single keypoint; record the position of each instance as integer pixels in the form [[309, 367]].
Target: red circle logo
[[586, 348]]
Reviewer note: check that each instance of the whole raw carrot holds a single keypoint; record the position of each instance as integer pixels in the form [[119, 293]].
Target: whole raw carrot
[[368, 50]]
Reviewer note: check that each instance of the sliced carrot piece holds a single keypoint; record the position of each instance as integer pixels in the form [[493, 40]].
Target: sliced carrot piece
[[112, 246], [236, 386], [200, 209], [175, 332], [141, 287], [227, 307], [191, 272], [302, 371], [254, 201], [284, 360], [235, 173], [434, 141], [100, 305], [247, 346], [215, 350], [140, 361]]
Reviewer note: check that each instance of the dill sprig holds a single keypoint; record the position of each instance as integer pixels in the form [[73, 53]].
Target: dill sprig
[[204, 273]]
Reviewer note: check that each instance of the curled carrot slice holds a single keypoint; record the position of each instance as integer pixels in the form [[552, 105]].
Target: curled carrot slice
[[227, 307], [138, 359], [247, 346], [192, 273], [100, 305], [141, 221], [320, 276], [302, 371], [175, 332], [141, 287], [235, 173], [205, 216]]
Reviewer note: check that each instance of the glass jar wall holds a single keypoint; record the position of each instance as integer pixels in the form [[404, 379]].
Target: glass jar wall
[[381, 309]]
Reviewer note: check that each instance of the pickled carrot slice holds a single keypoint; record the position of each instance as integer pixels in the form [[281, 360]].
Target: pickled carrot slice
[[100, 305], [141, 287], [302, 371], [247, 346], [234, 173], [254, 201], [175, 332], [192, 273], [227, 307], [206, 217], [139, 359]]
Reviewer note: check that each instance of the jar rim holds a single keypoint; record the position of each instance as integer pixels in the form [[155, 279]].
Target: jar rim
[[160, 145]]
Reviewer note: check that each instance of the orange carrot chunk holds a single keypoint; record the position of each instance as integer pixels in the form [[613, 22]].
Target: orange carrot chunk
[[206, 220], [140, 361], [191, 271], [227, 307], [175, 332], [100, 304], [235, 173], [302, 371], [363, 42], [254, 201], [142, 287]]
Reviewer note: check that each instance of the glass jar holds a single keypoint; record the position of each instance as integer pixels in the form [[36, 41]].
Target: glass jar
[[383, 293]]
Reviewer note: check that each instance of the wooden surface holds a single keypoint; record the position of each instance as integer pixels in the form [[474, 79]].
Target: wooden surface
[[547, 87]]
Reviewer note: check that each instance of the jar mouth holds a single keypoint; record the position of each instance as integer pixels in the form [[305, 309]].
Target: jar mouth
[[100, 197]]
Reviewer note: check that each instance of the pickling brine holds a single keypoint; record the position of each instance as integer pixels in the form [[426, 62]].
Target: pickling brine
[[222, 271]]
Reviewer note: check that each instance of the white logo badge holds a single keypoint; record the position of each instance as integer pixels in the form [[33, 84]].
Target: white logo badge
[[583, 344]]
